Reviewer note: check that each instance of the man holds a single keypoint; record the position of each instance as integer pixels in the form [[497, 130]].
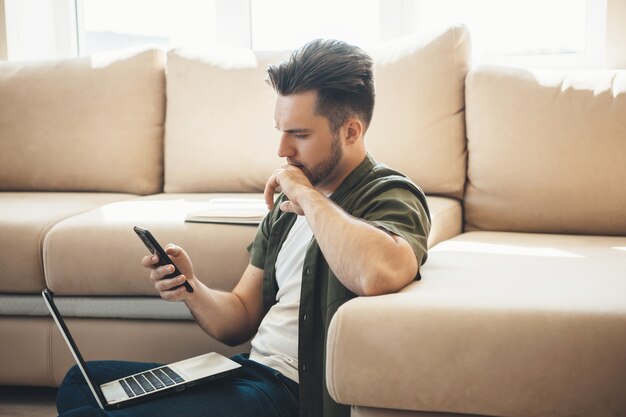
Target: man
[[342, 226]]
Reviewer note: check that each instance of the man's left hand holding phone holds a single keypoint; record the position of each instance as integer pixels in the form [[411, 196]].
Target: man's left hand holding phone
[[172, 283]]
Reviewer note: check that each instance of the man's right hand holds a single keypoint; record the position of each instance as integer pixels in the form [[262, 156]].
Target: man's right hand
[[165, 285]]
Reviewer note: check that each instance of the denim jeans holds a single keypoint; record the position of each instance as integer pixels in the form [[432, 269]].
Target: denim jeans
[[254, 390]]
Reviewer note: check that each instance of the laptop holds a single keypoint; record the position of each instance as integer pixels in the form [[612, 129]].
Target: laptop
[[144, 385]]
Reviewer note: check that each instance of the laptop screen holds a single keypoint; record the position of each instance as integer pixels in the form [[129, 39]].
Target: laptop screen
[[95, 388]]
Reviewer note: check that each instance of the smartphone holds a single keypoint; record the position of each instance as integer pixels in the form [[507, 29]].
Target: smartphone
[[154, 248]]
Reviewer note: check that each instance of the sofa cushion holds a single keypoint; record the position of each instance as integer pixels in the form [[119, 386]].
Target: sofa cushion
[[220, 134], [97, 252], [446, 219], [418, 126], [547, 151], [25, 218], [502, 324], [219, 109], [83, 124]]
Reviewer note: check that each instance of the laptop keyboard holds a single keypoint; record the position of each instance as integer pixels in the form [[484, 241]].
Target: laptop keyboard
[[155, 379]]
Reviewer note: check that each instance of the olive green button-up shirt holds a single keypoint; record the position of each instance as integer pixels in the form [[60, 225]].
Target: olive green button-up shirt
[[384, 198]]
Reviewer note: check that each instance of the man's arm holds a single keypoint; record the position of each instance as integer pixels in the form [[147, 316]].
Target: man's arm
[[366, 259], [230, 317]]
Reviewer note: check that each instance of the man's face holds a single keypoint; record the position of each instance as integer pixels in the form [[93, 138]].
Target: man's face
[[306, 138]]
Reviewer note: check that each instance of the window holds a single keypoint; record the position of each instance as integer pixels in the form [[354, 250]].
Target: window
[[545, 33], [505, 27], [113, 24], [530, 32], [288, 24], [39, 29]]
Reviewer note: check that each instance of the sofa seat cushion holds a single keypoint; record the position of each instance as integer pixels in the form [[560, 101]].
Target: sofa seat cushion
[[504, 324], [98, 253], [25, 218]]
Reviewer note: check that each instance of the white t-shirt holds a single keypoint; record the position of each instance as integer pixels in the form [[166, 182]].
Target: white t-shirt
[[276, 342]]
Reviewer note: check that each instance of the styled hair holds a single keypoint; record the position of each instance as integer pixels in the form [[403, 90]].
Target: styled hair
[[340, 74]]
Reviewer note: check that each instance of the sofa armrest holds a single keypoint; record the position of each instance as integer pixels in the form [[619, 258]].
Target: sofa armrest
[[422, 349], [372, 359]]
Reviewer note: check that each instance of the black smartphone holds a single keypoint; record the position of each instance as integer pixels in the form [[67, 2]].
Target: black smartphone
[[154, 248]]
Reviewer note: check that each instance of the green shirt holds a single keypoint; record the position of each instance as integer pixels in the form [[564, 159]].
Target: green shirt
[[380, 196]]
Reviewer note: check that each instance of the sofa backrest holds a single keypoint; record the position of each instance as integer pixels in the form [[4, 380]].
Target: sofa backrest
[[220, 134], [418, 126], [86, 124], [547, 151]]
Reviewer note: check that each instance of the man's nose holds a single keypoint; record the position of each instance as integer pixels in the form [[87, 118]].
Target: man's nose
[[285, 147]]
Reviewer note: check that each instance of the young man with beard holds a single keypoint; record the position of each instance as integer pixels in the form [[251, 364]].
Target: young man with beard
[[343, 226]]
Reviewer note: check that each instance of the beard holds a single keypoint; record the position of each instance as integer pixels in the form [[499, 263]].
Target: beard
[[321, 171]]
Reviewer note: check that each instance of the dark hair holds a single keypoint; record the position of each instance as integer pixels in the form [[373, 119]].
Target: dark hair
[[340, 73]]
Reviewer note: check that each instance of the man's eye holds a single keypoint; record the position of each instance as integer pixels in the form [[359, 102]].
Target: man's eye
[[300, 136]]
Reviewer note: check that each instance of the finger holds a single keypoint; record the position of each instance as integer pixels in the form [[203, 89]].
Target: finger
[[268, 193], [146, 261], [169, 283], [159, 273], [173, 250], [149, 261], [290, 207], [174, 295]]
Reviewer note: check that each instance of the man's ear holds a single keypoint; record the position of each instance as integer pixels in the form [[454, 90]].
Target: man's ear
[[353, 130]]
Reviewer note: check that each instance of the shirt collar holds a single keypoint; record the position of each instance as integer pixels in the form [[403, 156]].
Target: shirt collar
[[353, 179]]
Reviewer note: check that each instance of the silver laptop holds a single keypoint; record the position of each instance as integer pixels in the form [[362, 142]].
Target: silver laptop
[[145, 385]]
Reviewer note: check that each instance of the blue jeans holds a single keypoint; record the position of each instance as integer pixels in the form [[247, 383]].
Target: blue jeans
[[254, 390]]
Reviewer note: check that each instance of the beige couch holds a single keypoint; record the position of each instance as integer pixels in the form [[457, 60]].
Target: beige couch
[[522, 308]]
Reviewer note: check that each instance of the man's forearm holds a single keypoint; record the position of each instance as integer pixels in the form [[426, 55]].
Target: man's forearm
[[367, 260], [220, 314]]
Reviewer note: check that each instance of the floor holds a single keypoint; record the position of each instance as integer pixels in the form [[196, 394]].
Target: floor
[[27, 401]]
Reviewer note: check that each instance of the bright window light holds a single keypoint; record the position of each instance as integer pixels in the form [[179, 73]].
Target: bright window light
[[288, 24], [531, 33], [508, 28], [115, 24]]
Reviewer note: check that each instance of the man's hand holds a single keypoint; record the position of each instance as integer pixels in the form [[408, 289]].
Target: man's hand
[[164, 286], [292, 181]]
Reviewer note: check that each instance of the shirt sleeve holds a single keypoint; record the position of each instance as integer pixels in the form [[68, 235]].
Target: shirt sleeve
[[400, 212], [258, 247]]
